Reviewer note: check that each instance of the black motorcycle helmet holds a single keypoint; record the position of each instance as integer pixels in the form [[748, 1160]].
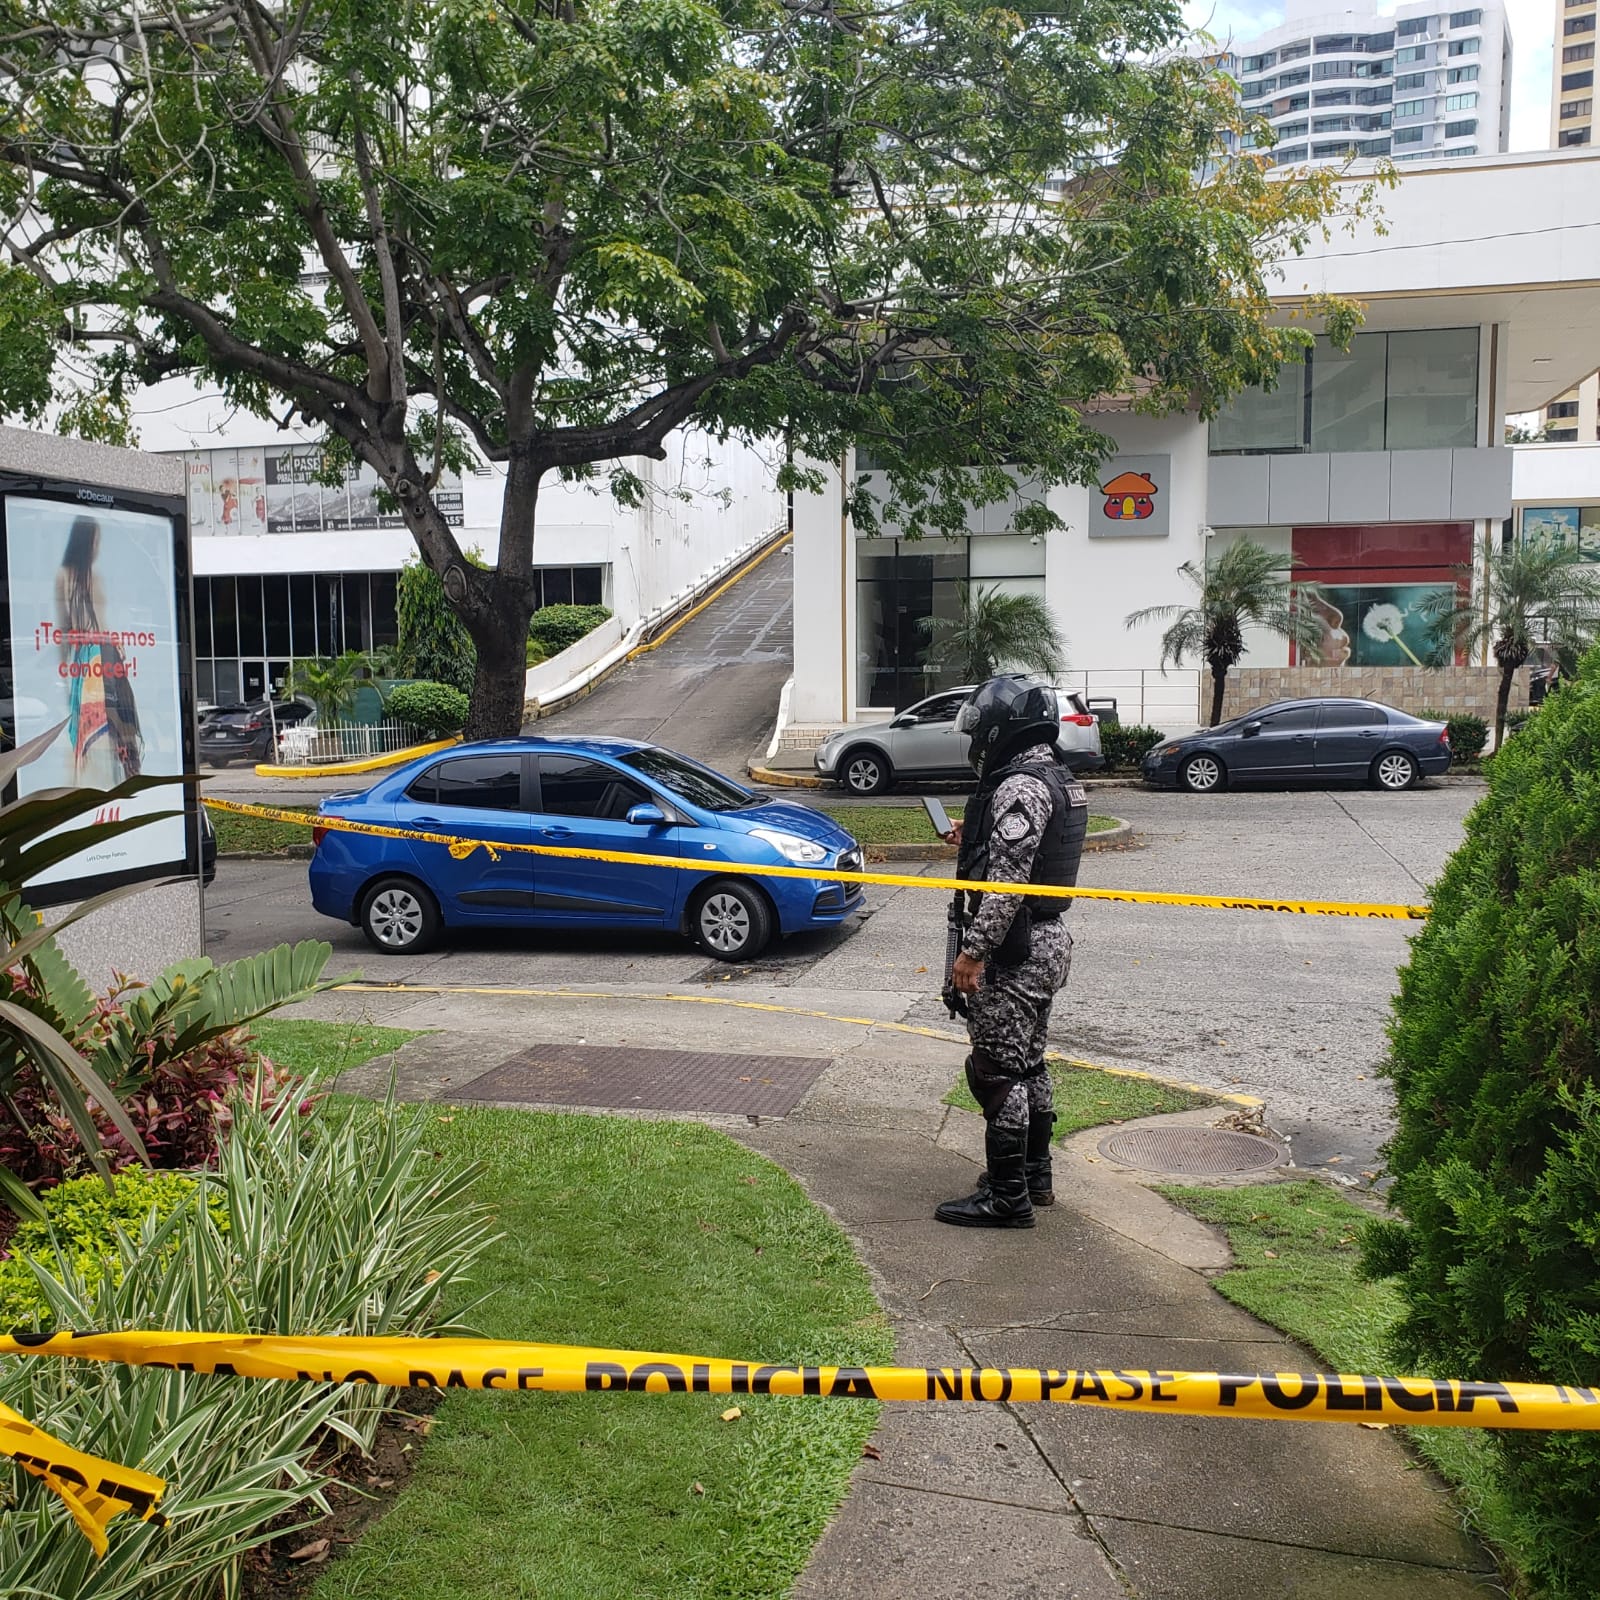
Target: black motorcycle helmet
[[1005, 714]]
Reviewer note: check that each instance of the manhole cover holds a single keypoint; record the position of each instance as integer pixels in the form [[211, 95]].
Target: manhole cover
[[1200, 1152], [623, 1078]]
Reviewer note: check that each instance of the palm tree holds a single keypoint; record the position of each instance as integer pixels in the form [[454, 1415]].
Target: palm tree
[[995, 630], [330, 683], [1246, 585], [1529, 595]]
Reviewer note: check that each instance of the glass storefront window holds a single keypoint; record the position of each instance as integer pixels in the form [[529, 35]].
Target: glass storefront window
[[1347, 396], [1433, 389], [1413, 390], [1262, 420]]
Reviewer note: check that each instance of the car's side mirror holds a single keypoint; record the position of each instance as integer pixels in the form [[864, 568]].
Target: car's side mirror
[[1250, 729], [646, 816], [904, 720]]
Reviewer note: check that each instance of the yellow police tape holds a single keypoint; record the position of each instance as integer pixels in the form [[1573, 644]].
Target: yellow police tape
[[459, 1363], [95, 1491], [462, 848]]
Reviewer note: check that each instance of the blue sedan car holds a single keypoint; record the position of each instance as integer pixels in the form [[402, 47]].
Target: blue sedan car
[[585, 794]]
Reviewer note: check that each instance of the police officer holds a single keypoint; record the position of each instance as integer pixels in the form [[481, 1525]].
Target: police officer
[[1025, 824]]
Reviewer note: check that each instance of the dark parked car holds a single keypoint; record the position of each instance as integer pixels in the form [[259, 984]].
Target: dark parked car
[[1331, 739], [579, 794], [244, 732]]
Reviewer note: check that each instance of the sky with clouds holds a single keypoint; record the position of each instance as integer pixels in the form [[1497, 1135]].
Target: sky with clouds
[[1532, 48]]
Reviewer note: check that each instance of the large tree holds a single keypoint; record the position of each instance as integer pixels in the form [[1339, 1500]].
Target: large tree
[[561, 230]]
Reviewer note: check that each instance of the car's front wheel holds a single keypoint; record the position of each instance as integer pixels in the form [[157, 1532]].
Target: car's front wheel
[[731, 921], [866, 771], [399, 917], [1395, 770], [1202, 774]]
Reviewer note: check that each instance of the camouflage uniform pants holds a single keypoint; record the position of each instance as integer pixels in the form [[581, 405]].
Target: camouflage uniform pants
[[1007, 1021]]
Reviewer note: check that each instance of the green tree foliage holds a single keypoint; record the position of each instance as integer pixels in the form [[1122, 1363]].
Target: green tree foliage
[[558, 627], [1246, 586], [433, 709], [1495, 1057], [434, 642], [1468, 734], [1536, 594], [562, 232], [992, 630]]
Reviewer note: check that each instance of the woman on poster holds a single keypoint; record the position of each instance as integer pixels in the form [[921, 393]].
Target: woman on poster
[[102, 715]]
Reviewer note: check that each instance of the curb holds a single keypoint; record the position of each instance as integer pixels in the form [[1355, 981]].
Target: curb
[[350, 769], [944, 852], [290, 852], [758, 773]]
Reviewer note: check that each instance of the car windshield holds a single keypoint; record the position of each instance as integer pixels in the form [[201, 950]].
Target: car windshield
[[687, 779]]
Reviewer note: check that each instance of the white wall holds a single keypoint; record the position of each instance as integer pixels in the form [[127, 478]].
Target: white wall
[[1093, 584], [706, 501], [1555, 474], [824, 602]]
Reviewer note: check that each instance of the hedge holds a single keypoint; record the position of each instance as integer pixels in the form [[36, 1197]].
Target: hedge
[[560, 626], [433, 709], [1127, 747], [1495, 1057]]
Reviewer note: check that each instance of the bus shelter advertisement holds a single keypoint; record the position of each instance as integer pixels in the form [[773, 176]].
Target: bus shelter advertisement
[[94, 644]]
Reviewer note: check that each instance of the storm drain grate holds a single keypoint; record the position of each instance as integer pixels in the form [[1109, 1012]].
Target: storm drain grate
[[1197, 1152], [625, 1079]]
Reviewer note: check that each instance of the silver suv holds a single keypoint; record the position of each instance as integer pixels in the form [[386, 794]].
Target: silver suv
[[866, 758]]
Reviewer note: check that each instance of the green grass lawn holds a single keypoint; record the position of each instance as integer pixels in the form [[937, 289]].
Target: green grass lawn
[[1309, 1286], [322, 1050], [1087, 1097], [641, 1235], [909, 824], [248, 835]]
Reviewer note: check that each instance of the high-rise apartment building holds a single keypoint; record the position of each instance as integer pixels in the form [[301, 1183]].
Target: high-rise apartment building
[[1424, 84], [1572, 76]]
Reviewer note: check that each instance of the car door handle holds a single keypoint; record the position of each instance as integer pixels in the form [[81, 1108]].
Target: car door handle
[[556, 833], [427, 822]]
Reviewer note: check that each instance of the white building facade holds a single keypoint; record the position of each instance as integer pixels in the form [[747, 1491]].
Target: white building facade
[[286, 568], [1421, 83], [1381, 468]]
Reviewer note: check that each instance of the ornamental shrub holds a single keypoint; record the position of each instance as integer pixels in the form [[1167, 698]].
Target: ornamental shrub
[[1127, 747], [433, 709], [558, 627], [1468, 734], [1495, 1057]]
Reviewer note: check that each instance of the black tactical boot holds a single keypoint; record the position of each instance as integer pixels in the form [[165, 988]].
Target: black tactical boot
[[1001, 1201], [1041, 1189], [1041, 1125]]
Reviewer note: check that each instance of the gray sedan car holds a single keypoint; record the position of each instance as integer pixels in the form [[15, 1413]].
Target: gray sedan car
[[1325, 739], [922, 742]]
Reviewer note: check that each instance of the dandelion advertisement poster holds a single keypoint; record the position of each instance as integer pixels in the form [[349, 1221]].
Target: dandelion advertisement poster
[[1380, 625], [94, 643]]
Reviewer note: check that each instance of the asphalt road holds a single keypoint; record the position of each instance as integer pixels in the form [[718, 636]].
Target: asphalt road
[[1291, 1009]]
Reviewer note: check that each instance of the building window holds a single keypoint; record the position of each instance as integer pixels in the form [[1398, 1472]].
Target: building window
[[1258, 91], [1331, 152], [1561, 408], [1335, 44], [1389, 391], [1260, 63], [1412, 80], [1379, 44], [1324, 70], [1412, 53], [1561, 435], [1331, 97], [1374, 97], [1462, 47], [1461, 75], [1331, 125], [1577, 80], [1576, 108], [1412, 27], [1407, 135], [1461, 102], [1465, 19], [1375, 147], [1572, 136], [1578, 25], [1292, 130], [1296, 52], [1461, 130], [1289, 80], [1409, 108], [1578, 52], [1295, 152]]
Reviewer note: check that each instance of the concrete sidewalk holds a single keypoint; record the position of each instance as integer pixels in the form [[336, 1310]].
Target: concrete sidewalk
[[999, 1502]]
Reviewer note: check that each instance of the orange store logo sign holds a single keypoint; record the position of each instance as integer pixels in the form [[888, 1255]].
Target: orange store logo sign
[[1130, 497]]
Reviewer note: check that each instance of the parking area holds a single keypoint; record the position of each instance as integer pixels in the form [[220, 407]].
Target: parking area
[[1291, 1009]]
